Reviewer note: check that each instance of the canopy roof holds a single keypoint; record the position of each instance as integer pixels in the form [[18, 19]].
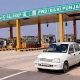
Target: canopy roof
[[46, 15]]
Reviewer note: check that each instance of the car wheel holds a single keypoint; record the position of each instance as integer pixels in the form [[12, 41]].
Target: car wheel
[[39, 69], [65, 67], [79, 63]]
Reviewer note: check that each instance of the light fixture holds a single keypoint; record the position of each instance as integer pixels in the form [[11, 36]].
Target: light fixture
[[66, 19], [66, 24], [47, 24]]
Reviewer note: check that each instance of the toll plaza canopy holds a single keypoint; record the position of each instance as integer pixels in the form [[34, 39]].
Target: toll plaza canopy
[[29, 17], [62, 10]]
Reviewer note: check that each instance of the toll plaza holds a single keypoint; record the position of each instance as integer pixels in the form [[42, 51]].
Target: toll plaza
[[60, 13]]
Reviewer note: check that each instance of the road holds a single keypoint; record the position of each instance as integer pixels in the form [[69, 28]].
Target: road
[[20, 66]]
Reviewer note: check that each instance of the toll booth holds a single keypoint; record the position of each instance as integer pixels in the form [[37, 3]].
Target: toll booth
[[3, 43], [47, 40], [29, 41], [11, 43], [69, 38]]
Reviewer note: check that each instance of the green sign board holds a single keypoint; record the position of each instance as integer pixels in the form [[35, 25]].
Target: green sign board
[[42, 11]]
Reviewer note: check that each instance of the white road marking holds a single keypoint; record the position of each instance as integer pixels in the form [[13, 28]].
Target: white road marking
[[12, 75]]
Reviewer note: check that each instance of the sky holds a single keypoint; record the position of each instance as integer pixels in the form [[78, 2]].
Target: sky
[[9, 6]]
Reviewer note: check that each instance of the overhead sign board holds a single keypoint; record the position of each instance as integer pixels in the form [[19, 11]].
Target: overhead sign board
[[42, 11]]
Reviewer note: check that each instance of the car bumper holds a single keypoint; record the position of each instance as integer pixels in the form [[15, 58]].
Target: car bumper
[[51, 66]]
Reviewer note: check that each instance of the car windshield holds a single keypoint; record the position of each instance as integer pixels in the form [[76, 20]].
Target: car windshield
[[59, 48]]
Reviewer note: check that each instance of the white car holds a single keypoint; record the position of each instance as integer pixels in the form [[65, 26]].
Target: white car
[[59, 56]]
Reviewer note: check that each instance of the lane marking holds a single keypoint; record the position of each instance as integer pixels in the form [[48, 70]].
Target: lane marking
[[12, 75]]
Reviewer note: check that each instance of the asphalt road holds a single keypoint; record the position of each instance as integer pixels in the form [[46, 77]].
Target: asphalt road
[[20, 66]]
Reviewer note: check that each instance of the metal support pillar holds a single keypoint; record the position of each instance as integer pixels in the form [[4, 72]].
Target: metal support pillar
[[11, 32], [61, 29], [18, 33], [74, 26], [39, 30]]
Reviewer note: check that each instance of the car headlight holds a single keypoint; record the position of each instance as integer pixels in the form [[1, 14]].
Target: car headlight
[[56, 60]]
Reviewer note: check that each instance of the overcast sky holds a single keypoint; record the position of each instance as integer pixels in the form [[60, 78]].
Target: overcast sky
[[8, 6]]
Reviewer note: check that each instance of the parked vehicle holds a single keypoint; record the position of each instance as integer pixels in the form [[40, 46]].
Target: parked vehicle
[[59, 56]]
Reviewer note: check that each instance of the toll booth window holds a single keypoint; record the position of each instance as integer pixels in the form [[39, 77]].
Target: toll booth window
[[68, 39], [46, 40]]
